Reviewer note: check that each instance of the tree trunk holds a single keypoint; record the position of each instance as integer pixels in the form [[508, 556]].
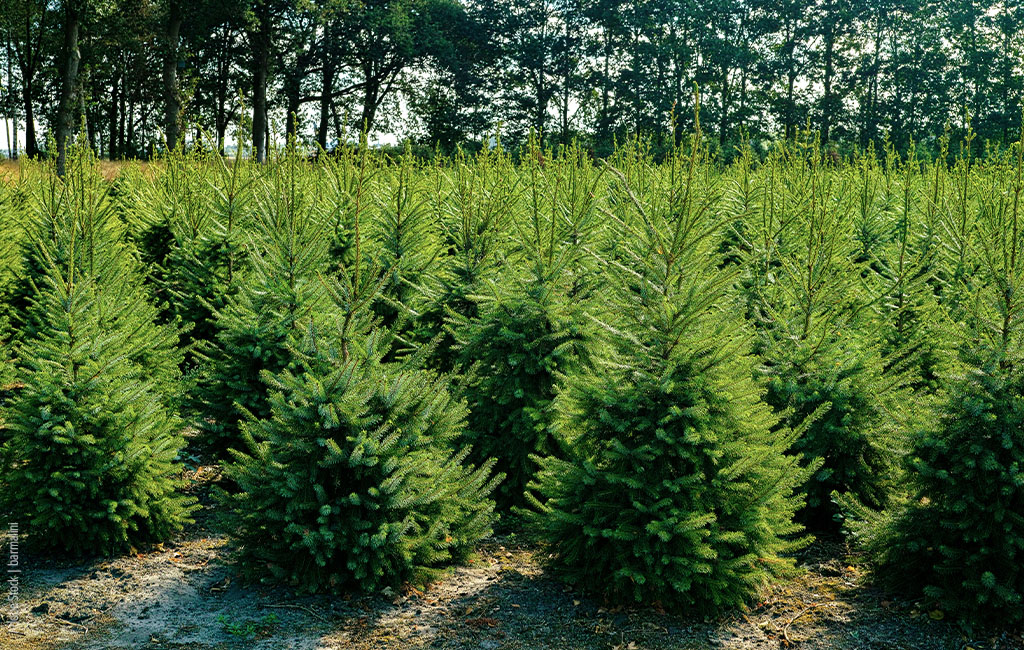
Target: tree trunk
[[261, 64], [791, 126], [723, 125], [69, 81], [122, 117], [827, 99], [293, 91], [370, 101], [172, 89], [114, 103], [326, 100], [12, 140]]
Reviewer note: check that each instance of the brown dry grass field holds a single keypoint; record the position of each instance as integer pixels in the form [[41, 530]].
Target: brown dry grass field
[[109, 169]]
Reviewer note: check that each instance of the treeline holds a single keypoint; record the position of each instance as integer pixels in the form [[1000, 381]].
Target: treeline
[[149, 73]]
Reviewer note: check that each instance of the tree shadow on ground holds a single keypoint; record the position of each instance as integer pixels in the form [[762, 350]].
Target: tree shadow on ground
[[188, 596]]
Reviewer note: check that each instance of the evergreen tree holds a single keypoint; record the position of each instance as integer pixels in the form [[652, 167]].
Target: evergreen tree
[[9, 236], [959, 540], [90, 460], [404, 239], [352, 481], [822, 366], [474, 212], [679, 489], [71, 226], [259, 324], [515, 351], [914, 345], [190, 240]]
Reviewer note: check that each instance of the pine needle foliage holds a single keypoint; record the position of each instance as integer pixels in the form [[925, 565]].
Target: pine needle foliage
[[258, 325], [191, 219], [514, 353], [810, 301], [679, 490], [353, 480], [90, 460], [475, 201], [959, 540]]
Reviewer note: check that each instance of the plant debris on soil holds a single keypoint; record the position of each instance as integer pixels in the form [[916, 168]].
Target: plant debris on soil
[[187, 595]]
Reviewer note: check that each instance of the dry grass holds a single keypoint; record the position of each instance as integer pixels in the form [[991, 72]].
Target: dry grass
[[10, 170]]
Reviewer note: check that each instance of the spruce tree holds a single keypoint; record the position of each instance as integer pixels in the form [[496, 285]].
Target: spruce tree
[[352, 481], [259, 324], [189, 223], [10, 234], [821, 363], [91, 457], [403, 237], [474, 209], [532, 331], [959, 539], [91, 461], [678, 490], [71, 225]]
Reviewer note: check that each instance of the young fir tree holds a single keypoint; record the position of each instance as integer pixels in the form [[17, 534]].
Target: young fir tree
[[474, 209], [960, 540], [90, 460], [259, 324], [679, 490], [190, 240], [10, 234], [809, 301], [473, 202], [348, 186], [532, 332], [352, 480], [71, 223], [404, 239], [914, 346]]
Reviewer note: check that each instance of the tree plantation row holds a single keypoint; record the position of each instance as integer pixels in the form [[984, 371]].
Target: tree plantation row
[[673, 375]]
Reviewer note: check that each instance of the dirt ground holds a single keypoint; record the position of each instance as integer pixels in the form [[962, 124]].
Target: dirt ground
[[186, 596]]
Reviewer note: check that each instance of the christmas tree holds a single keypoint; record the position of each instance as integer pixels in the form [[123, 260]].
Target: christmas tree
[[474, 208], [533, 330], [90, 460], [959, 539], [808, 299], [352, 480], [679, 490], [189, 223], [265, 318]]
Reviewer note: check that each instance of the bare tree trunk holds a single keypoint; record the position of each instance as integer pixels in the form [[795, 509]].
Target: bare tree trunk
[[115, 103], [293, 90], [12, 138], [370, 101], [326, 100], [172, 89], [261, 62], [828, 101], [31, 145], [69, 82]]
